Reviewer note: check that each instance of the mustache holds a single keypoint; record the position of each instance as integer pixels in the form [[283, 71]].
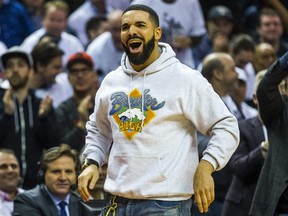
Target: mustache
[[133, 37]]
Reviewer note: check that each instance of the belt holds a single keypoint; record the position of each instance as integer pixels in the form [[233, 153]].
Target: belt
[[119, 200]]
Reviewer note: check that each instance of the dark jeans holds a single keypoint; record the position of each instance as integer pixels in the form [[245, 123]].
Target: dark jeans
[[123, 207]]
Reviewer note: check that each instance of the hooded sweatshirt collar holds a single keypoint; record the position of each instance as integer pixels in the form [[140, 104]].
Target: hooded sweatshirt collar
[[166, 58]]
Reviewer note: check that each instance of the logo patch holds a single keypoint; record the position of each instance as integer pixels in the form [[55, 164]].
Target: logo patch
[[131, 119]]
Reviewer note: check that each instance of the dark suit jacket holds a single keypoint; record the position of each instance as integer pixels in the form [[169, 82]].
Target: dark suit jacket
[[274, 113], [246, 164], [37, 202]]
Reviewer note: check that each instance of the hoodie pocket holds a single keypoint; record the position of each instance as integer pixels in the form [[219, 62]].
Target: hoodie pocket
[[136, 173]]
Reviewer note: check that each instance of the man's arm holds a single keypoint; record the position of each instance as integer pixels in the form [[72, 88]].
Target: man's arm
[[268, 95]]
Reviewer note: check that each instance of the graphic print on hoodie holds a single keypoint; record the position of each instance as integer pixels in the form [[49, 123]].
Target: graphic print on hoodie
[[133, 112]]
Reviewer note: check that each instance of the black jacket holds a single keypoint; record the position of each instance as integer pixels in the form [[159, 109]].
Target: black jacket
[[273, 109], [67, 119], [27, 134], [37, 202]]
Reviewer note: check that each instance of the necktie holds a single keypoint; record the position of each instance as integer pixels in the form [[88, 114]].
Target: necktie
[[62, 205]]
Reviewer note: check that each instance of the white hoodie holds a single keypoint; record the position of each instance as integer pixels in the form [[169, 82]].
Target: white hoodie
[[154, 153]]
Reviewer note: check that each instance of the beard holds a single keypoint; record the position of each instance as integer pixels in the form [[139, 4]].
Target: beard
[[18, 83], [138, 59]]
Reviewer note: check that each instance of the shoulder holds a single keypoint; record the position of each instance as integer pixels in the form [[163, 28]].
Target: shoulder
[[30, 196], [99, 42], [65, 36]]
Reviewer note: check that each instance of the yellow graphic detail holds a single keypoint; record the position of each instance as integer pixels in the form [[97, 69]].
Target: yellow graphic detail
[[131, 128]]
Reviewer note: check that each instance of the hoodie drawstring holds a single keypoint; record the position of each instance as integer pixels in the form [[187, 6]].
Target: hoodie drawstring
[[143, 99]]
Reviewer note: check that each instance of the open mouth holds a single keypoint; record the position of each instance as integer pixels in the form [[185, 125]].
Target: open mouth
[[135, 46]]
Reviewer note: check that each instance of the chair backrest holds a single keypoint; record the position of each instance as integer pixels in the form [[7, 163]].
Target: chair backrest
[[92, 207]]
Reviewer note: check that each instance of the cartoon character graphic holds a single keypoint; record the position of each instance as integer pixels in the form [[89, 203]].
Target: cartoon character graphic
[[131, 114]]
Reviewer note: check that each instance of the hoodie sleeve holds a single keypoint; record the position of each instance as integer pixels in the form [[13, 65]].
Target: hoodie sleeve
[[212, 118], [99, 134]]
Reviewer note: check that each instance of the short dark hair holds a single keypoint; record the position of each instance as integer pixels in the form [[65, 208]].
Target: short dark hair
[[44, 52], [242, 42], [266, 11], [94, 23], [54, 153], [152, 14]]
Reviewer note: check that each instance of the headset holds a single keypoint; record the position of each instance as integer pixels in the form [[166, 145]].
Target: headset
[[53, 154]]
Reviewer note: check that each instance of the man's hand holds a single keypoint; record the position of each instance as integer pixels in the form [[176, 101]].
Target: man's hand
[[204, 186], [182, 42], [220, 43], [87, 181], [83, 111], [45, 106], [8, 101]]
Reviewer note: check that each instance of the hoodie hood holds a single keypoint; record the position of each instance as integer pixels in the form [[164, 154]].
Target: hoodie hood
[[166, 58]]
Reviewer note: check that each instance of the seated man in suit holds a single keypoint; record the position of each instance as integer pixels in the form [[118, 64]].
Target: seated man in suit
[[58, 168], [9, 180]]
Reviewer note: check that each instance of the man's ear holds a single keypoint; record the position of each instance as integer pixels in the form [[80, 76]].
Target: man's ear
[[158, 33], [217, 74]]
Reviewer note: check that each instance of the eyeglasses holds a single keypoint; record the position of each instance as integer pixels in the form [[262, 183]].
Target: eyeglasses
[[77, 71]]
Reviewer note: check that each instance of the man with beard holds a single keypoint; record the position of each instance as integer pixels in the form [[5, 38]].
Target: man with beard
[[150, 108], [26, 122]]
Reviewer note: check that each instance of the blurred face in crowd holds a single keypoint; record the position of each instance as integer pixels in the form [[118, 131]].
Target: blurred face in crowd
[[139, 36], [229, 76], [220, 26], [265, 55], [243, 57], [9, 172], [55, 21], [51, 70], [82, 77], [103, 27], [17, 72], [270, 29], [114, 26], [60, 175]]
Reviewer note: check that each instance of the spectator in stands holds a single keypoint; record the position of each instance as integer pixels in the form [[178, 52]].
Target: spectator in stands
[[270, 30], [271, 192], [106, 50], [73, 113], [182, 28], [49, 78], [15, 24], [58, 168], [55, 24], [246, 162], [35, 11], [79, 18], [219, 25], [242, 49], [26, 122], [9, 180], [265, 55], [95, 26], [239, 95], [219, 70]]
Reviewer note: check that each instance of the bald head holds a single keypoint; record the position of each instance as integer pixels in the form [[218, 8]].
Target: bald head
[[265, 55], [215, 61]]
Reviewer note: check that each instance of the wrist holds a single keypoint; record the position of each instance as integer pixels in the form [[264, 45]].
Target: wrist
[[89, 162]]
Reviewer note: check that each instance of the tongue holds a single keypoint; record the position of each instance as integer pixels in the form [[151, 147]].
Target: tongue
[[135, 49]]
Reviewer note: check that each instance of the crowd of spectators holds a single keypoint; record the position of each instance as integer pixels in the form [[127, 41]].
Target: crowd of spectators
[[55, 54]]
